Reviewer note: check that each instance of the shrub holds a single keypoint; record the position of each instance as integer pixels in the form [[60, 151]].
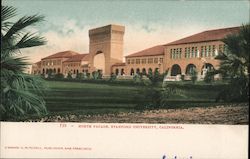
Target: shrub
[[59, 76], [209, 77], [79, 76], [112, 77], [69, 76], [137, 79]]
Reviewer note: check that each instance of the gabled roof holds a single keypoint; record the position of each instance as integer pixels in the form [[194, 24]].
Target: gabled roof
[[63, 54], [209, 35], [153, 51], [78, 58]]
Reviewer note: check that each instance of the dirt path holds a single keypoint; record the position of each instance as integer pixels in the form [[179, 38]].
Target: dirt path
[[231, 114]]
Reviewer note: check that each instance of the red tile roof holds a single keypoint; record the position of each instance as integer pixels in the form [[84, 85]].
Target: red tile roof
[[78, 58], [64, 54], [209, 35], [153, 51], [119, 64]]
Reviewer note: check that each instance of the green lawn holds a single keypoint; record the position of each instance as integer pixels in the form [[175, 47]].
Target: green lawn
[[80, 97], [73, 96]]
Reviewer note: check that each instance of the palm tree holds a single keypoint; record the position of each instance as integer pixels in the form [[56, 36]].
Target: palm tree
[[21, 93], [234, 65]]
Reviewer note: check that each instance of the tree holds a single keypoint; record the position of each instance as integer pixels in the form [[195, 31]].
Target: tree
[[20, 92], [234, 66]]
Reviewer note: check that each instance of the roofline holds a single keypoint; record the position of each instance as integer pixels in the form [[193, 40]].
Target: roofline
[[169, 44], [192, 42], [144, 55]]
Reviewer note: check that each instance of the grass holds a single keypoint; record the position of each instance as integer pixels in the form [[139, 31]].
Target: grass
[[72, 96], [97, 98]]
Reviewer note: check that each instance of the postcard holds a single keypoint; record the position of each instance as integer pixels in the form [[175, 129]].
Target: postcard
[[124, 79]]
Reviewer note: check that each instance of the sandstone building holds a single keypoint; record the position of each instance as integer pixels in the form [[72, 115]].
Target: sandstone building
[[106, 53]]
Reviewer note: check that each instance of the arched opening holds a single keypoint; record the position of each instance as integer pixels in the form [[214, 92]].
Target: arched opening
[[122, 71], [156, 69], [190, 68], [58, 70], [175, 70], [54, 70], [99, 61], [43, 71], [77, 71], [206, 67], [116, 71], [137, 70], [150, 70], [144, 71], [47, 71], [74, 72], [132, 72]]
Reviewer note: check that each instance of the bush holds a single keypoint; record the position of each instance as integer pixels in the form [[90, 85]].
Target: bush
[[137, 78], [59, 76], [209, 77], [69, 76], [112, 77], [79, 76], [154, 77]]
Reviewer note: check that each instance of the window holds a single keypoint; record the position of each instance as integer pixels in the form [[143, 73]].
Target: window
[[150, 60], [161, 60], [206, 51], [213, 52], [185, 53], [180, 53], [137, 61], [220, 48], [192, 54], [128, 61], [171, 53], [155, 60], [143, 61], [132, 61], [196, 52], [202, 51], [209, 50]]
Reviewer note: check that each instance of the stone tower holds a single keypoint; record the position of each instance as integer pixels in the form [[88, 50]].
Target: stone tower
[[105, 47]]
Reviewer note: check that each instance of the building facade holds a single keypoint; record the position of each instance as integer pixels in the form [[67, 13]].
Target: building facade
[[196, 52]]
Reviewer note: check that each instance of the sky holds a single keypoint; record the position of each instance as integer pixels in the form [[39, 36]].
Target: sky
[[147, 22]]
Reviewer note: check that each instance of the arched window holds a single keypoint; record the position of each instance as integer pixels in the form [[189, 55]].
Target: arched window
[[58, 70], [122, 71], [206, 67], [132, 72], [190, 68], [144, 71], [74, 71], [156, 69], [137, 70], [150, 70], [117, 71], [77, 71], [43, 71], [175, 70]]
